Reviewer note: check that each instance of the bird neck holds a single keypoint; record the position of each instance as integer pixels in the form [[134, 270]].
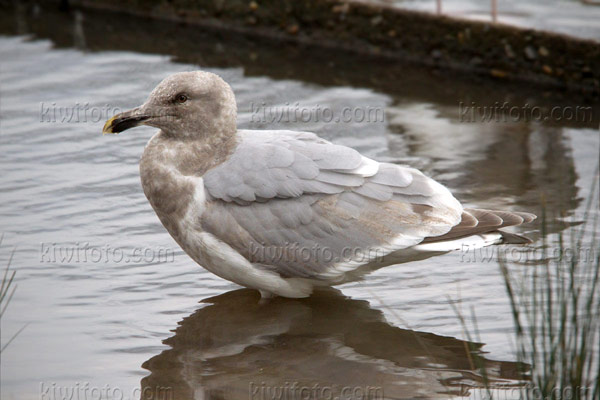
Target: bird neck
[[170, 169], [190, 156]]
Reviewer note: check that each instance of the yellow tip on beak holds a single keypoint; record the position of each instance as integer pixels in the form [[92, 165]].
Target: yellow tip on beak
[[108, 126], [125, 120]]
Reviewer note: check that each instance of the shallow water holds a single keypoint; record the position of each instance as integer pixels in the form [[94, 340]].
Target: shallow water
[[101, 284]]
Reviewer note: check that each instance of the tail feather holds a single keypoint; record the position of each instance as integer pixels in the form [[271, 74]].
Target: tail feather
[[479, 221], [513, 238]]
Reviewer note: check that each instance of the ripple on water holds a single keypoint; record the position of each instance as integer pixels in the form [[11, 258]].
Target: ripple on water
[[64, 185]]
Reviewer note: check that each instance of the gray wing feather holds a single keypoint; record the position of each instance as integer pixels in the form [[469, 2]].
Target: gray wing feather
[[296, 204], [268, 166]]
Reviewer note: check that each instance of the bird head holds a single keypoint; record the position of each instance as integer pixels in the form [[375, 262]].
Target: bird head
[[184, 105]]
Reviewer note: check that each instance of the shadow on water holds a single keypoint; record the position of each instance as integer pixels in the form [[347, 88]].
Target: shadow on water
[[238, 348]]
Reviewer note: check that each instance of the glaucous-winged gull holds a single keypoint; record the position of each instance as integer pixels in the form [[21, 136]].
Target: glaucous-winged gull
[[283, 211]]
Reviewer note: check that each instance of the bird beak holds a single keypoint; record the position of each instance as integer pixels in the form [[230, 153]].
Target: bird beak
[[125, 120]]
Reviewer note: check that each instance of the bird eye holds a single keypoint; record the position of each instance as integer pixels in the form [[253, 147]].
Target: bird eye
[[181, 98]]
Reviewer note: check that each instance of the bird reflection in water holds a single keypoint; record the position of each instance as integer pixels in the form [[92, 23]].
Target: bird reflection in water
[[236, 347]]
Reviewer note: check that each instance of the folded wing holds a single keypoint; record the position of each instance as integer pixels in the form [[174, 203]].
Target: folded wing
[[303, 207]]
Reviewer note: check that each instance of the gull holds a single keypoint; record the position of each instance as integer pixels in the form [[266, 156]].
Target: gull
[[283, 211]]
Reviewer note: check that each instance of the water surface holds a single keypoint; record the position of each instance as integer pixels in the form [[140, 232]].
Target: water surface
[[114, 318]]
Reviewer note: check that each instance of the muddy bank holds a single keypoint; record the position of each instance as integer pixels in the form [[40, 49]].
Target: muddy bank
[[498, 51]]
